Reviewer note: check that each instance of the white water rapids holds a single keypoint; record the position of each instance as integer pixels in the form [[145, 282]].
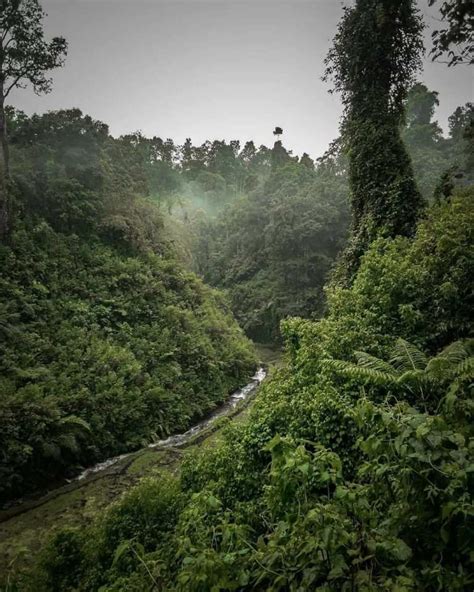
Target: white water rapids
[[180, 439]]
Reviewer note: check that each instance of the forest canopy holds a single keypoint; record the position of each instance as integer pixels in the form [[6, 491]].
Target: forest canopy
[[135, 272]]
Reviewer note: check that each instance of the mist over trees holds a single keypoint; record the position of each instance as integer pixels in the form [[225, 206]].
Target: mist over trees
[[351, 470], [107, 342], [267, 226]]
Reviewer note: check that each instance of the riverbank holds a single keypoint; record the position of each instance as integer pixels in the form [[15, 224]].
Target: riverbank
[[24, 528]]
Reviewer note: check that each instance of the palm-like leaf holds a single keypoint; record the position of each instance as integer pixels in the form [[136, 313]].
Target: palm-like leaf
[[372, 373], [465, 367], [406, 356], [75, 422], [456, 352], [453, 360], [409, 367], [365, 360], [418, 378]]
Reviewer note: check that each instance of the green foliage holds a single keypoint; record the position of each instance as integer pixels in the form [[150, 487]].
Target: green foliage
[[133, 527], [409, 374], [257, 222], [267, 228], [107, 343], [416, 289], [346, 477], [437, 160], [25, 58], [423, 466], [454, 41], [273, 249]]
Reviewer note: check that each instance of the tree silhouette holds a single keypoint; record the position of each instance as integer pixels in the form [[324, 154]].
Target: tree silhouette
[[277, 132], [25, 57]]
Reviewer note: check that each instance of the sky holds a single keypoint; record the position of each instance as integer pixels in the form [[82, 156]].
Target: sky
[[210, 69]]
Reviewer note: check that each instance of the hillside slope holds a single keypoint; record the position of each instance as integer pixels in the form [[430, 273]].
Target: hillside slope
[[106, 341]]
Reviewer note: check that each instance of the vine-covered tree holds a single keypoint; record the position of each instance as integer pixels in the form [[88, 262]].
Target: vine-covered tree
[[376, 52], [25, 57]]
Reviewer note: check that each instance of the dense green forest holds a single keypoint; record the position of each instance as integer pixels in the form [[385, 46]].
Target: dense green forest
[[353, 470], [273, 248], [267, 226], [107, 341]]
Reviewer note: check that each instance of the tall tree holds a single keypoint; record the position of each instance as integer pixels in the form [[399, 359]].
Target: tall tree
[[25, 57], [420, 105], [248, 153], [424, 139], [460, 121], [461, 132], [280, 155], [307, 161], [374, 58]]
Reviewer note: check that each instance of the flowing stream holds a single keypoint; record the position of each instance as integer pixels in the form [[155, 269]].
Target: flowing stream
[[181, 439]]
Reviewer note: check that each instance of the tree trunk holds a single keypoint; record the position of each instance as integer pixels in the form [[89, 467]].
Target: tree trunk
[[5, 214]]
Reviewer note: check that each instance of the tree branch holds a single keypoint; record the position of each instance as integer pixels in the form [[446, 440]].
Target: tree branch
[[14, 83]]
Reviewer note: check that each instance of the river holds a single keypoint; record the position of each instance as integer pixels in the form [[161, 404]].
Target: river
[[178, 440]]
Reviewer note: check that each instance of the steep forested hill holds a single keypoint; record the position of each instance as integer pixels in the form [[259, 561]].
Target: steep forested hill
[[106, 340]]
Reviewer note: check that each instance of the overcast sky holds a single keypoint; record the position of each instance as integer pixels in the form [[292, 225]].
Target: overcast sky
[[215, 69]]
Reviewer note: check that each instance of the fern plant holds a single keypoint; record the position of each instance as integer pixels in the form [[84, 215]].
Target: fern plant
[[66, 439], [409, 369]]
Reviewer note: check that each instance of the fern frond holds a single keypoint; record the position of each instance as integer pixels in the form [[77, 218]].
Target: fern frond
[[365, 360], [362, 373], [337, 365], [439, 368], [370, 375], [406, 356], [74, 421], [454, 360], [375, 376], [464, 368], [453, 353], [416, 378]]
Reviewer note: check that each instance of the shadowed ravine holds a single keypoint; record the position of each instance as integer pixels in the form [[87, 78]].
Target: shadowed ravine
[[179, 440], [25, 526]]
